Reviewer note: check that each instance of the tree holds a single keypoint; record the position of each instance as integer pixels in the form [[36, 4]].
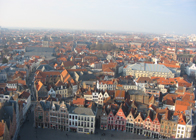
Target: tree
[[4, 60]]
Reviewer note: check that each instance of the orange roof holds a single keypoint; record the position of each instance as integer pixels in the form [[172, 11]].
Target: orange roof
[[106, 82], [182, 119], [64, 73], [79, 101], [120, 93], [39, 85], [170, 65], [180, 107]]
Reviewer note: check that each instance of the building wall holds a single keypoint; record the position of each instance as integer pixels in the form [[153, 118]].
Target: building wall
[[138, 74], [168, 128], [180, 133], [140, 98], [189, 133], [82, 123], [103, 121]]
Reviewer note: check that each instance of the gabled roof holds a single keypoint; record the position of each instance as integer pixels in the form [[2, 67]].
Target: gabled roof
[[182, 119]]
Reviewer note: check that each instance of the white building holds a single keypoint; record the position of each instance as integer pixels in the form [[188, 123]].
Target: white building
[[11, 85], [181, 127], [191, 70], [82, 120], [106, 85], [26, 97], [102, 97], [95, 96]]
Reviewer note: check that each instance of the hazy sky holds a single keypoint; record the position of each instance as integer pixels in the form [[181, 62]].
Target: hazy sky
[[156, 16]]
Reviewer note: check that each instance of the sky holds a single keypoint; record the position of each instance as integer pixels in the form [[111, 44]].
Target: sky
[[150, 16]]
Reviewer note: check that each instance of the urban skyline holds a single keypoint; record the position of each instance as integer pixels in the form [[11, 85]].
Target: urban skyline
[[176, 17]]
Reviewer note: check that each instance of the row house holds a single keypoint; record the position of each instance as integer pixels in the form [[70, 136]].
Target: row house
[[181, 127], [103, 119], [168, 123], [82, 120], [130, 121], [117, 121], [138, 124], [107, 116], [59, 117], [62, 89], [51, 115], [152, 125], [96, 97], [107, 85]]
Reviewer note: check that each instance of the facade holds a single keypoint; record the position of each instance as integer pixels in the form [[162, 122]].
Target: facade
[[26, 98], [138, 129], [130, 121], [51, 115], [62, 90], [82, 120], [106, 85], [103, 120], [58, 117], [147, 70], [168, 128], [120, 120]]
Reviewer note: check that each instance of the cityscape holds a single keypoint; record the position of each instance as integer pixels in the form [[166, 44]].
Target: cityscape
[[94, 81]]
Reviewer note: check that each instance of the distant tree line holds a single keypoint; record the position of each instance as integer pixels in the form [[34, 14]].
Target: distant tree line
[[104, 46]]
